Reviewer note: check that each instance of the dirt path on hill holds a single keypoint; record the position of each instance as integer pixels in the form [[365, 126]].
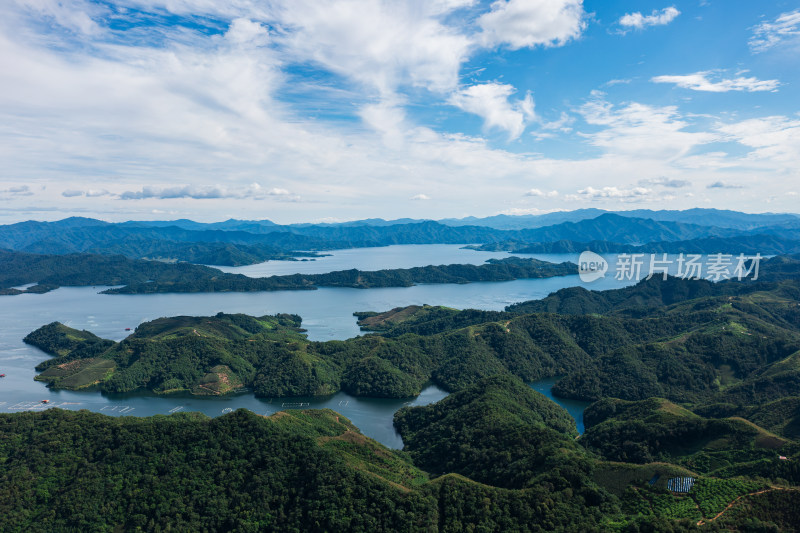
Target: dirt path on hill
[[762, 491]]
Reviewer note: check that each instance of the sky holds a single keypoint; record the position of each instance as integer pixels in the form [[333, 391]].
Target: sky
[[333, 110]]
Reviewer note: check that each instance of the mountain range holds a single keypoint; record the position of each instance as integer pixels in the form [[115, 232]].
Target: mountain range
[[238, 242]]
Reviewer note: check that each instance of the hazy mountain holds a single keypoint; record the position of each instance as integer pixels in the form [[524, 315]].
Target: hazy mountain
[[242, 242], [701, 216]]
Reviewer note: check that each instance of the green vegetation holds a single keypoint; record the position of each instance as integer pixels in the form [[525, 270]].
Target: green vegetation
[[146, 277], [495, 270], [727, 350], [81, 471], [746, 244], [658, 430], [690, 380], [498, 431]]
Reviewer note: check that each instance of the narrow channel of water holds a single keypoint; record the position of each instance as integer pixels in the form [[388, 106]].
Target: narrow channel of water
[[574, 407]]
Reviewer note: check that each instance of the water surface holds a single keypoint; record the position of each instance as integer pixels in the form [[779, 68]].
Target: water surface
[[327, 314]]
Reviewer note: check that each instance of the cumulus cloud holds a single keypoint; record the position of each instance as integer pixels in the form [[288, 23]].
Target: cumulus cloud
[[90, 193], [382, 45], [699, 81], [620, 194], [20, 190], [656, 18], [631, 194], [528, 23], [420, 197], [768, 34], [663, 181], [490, 101], [641, 130], [724, 185], [245, 31], [297, 88], [772, 139], [213, 192], [542, 194]]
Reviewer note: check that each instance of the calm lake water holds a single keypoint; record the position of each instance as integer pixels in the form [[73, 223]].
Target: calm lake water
[[327, 314]]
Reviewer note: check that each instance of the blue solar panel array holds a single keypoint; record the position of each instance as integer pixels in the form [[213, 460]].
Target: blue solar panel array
[[680, 484]]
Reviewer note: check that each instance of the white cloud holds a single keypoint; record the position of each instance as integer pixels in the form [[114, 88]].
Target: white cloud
[[642, 131], [91, 193], [768, 34], [541, 194], [420, 197], [19, 190], [699, 81], [619, 194], [528, 23], [724, 185], [213, 192], [198, 114], [381, 45], [663, 181], [387, 118], [490, 101], [657, 18], [517, 211], [243, 31], [773, 139], [74, 15]]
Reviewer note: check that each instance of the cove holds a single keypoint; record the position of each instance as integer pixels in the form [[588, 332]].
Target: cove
[[574, 407], [327, 315]]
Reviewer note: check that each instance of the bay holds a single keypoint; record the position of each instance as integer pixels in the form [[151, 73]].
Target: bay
[[574, 407], [327, 314]]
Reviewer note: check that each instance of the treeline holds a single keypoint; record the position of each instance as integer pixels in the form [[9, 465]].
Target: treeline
[[650, 295], [52, 271], [724, 349], [495, 270], [745, 244], [500, 457], [145, 277]]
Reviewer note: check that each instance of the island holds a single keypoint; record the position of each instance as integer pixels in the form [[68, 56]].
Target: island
[[693, 426], [48, 272]]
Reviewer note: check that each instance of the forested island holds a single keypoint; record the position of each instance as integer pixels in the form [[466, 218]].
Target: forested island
[[684, 340], [694, 425], [138, 276]]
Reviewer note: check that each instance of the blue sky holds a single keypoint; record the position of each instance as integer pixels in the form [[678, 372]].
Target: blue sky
[[311, 110]]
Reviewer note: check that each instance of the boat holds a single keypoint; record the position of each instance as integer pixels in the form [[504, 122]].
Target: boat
[[127, 329], [2, 375], [45, 401]]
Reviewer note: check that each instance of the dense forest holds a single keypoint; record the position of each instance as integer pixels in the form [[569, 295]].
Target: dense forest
[[683, 340], [496, 456], [746, 244], [694, 426], [145, 277]]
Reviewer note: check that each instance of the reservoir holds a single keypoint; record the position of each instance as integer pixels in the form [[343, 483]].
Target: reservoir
[[327, 314]]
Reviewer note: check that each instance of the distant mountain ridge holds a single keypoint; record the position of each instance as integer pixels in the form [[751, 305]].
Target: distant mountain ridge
[[236, 242]]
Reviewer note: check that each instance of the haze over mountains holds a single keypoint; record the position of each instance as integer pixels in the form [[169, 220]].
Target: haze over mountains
[[239, 242]]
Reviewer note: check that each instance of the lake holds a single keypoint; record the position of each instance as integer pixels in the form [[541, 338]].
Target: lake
[[327, 314]]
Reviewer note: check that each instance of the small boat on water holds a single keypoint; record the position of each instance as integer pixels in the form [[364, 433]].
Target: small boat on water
[[127, 329], [45, 401], [2, 375]]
